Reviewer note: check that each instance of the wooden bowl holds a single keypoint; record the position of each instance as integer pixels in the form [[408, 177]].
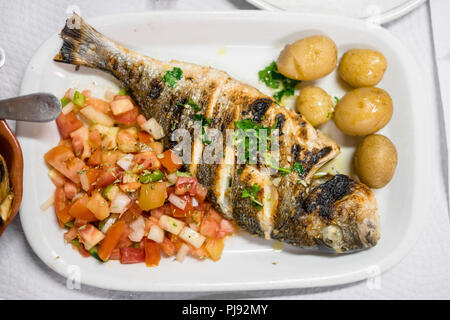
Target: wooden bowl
[[11, 151]]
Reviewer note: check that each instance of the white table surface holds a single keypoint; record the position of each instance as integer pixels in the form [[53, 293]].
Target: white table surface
[[423, 274]]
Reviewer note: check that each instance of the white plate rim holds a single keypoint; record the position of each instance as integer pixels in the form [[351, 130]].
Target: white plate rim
[[385, 17], [403, 248]]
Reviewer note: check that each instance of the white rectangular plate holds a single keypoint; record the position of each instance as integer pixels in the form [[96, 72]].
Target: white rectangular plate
[[240, 43]]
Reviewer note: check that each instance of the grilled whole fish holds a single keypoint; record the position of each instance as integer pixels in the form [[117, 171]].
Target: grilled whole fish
[[340, 214]]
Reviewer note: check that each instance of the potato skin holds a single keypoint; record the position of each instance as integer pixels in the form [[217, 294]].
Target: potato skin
[[375, 161], [308, 59], [315, 105], [363, 111], [362, 67]]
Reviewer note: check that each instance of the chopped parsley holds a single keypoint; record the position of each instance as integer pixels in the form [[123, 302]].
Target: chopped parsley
[[250, 128], [205, 123], [298, 168], [336, 99], [252, 194], [172, 76], [275, 80], [194, 106], [271, 163]]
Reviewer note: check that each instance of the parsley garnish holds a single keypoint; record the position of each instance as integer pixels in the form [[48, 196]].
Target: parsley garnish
[[336, 99], [252, 193], [271, 163], [249, 128], [298, 168], [205, 122], [275, 80], [172, 76], [194, 106]]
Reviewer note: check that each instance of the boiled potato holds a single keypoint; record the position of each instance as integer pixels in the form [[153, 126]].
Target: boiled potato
[[375, 161], [315, 105], [363, 111], [362, 67], [308, 59]]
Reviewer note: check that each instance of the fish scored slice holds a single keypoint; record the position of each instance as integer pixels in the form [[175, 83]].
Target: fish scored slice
[[339, 214]]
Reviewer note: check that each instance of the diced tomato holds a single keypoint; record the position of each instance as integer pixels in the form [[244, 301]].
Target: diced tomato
[[111, 240], [152, 195], [108, 176], [71, 234], [127, 118], [186, 185], [170, 190], [141, 120], [152, 253], [132, 255], [119, 107], [98, 104], [199, 253], [124, 241], [63, 160], [210, 226], [119, 97], [87, 93], [61, 207], [79, 210], [158, 212], [157, 147], [176, 241], [115, 254], [68, 123], [80, 142], [178, 213], [84, 253], [171, 161], [79, 222], [98, 206], [92, 175], [214, 248], [226, 228], [202, 192], [90, 236], [130, 187], [127, 140], [168, 247], [109, 158], [144, 137], [57, 178], [133, 212], [147, 161], [195, 218], [95, 139], [70, 189], [96, 158]]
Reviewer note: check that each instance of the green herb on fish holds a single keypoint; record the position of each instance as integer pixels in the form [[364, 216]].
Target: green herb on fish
[[275, 80], [194, 106], [252, 194], [172, 76]]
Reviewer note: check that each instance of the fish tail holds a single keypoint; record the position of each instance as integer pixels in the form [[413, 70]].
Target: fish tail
[[83, 45]]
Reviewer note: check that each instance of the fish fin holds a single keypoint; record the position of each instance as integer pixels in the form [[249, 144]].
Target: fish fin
[[82, 43]]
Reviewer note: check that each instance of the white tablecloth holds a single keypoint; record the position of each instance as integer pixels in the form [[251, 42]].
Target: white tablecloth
[[423, 274]]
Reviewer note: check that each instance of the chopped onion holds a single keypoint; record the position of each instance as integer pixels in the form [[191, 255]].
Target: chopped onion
[[68, 108], [182, 253], [125, 162], [194, 226], [138, 229], [71, 93], [84, 181], [109, 94], [156, 234], [172, 178], [154, 128], [170, 224], [120, 203], [194, 202], [47, 204], [177, 201], [108, 225], [192, 237]]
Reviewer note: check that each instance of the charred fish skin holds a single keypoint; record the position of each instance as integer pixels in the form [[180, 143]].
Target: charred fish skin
[[291, 212]]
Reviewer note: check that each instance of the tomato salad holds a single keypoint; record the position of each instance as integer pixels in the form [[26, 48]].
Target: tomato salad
[[119, 194]]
